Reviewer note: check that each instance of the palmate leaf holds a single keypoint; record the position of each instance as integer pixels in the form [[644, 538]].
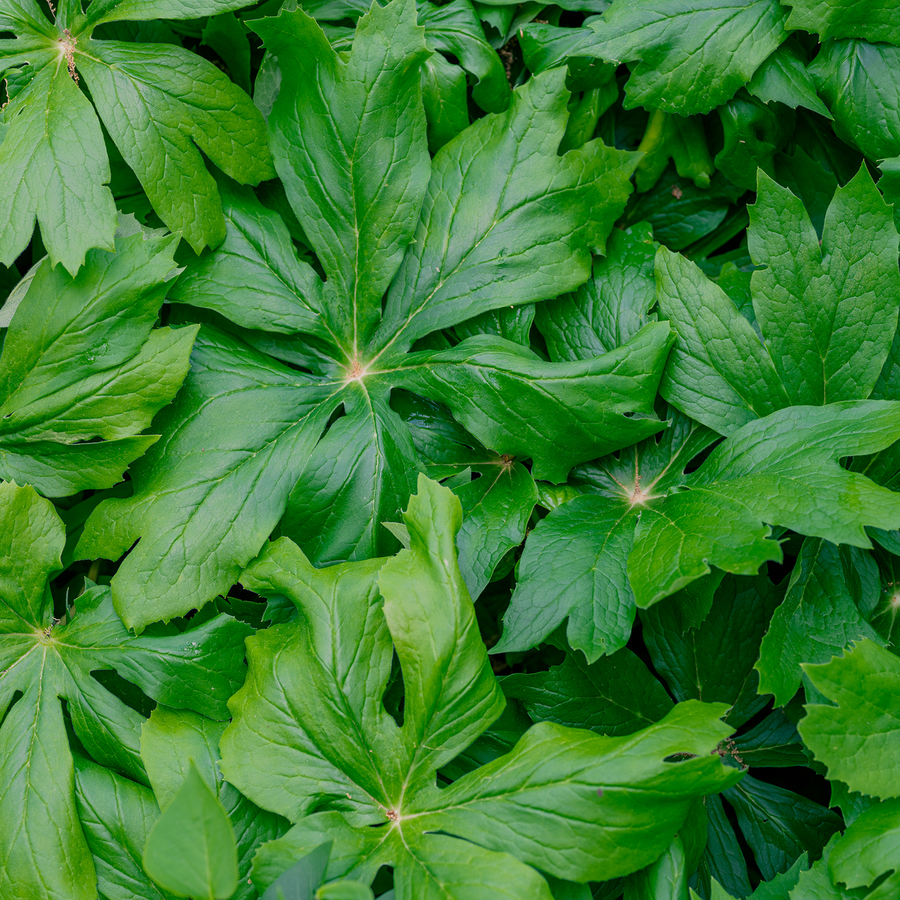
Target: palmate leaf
[[658, 530], [502, 220], [81, 361], [44, 847], [827, 313], [160, 104], [311, 738]]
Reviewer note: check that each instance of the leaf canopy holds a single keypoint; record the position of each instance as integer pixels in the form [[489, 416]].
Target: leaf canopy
[[498, 218]]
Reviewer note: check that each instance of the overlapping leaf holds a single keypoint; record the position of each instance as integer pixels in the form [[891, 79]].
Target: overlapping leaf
[[81, 362], [501, 220], [45, 849], [160, 104], [312, 739]]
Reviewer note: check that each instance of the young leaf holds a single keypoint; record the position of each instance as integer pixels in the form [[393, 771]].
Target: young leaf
[[244, 440], [820, 616], [171, 741], [827, 313], [313, 710], [191, 850], [80, 361], [859, 738], [44, 849], [160, 104], [692, 56]]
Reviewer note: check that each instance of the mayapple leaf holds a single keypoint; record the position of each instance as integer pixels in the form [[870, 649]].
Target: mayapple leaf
[[827, 312], [858, 739], [691, 56], [312, 712], [45, 848], [657, 529], [191, 850], [82, 361], [289, 417], [161, 105]]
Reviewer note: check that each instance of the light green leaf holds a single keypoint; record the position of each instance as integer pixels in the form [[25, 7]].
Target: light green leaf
[[873, 20], [191, 849], [819, 617], [172, 741], [145, 94], [45, 849], [666, 879], [859, 738], [870, 848], [312, 709], [143, 10], [692, 55], [81, 362], [116, 815]]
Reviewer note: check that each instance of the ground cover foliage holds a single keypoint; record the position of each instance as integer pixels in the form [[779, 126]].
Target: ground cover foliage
[[449, 450]]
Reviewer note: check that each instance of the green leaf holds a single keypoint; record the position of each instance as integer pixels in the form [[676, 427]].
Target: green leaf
[[611, 307], [315, 442], [80, 361], [783, 78], [869, 849], [816, 883], [161, 105], [116, 815], [191, 849], [50, 169], [313, 709], [774, 742], [174, 740], [666, 879], [858, 82], [819, 617], [692, 56], [873, 20], [815, 317], [615, 695], [713, 661], [859, 738], [44, 847], [779, 825]]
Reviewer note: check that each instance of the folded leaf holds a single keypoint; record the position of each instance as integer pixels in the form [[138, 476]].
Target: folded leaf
[[311, 733]]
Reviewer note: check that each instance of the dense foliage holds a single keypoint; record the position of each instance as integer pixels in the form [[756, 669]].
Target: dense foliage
[[448, 451]]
